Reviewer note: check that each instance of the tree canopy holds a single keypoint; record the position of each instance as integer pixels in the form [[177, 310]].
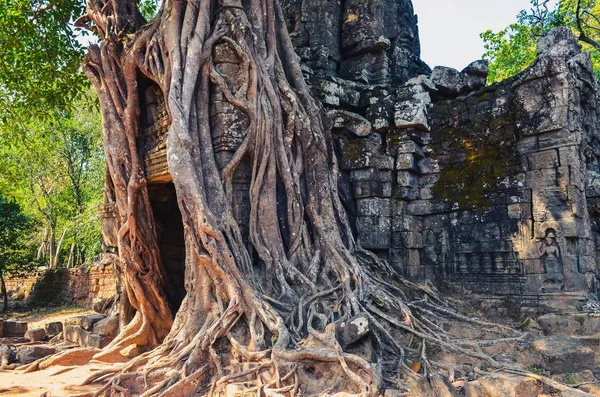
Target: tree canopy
[[15, 229], [512, 49]]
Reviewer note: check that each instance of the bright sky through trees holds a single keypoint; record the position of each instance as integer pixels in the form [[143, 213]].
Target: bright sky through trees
[[450, 29]]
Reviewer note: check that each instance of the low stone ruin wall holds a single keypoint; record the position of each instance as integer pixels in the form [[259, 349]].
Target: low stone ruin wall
[[79, 286]]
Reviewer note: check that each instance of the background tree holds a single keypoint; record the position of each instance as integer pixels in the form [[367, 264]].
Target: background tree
[[40, 58], [513, 49], [55, 170], [15, 251]]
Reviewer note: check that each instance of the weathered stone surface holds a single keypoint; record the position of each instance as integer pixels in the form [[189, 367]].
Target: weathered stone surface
[[14, 328], [352, 122], [378, 42], [570, 324], [450, 82], [107, 326], [76, 334], [1, 328], [353, 330], [53, 328], [88, 321], [30, 353], [35, 334], [477, 68], [97, 341], [503, 385], [65, 286], [560, 354]]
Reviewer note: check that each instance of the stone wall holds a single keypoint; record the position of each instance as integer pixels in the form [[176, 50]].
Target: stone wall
[[79, 286], [490, 190]]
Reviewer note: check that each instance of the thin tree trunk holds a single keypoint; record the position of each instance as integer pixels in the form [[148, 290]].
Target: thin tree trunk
[[43, 244], [4, 292], [70, 261], [58, 248], [51, 246]]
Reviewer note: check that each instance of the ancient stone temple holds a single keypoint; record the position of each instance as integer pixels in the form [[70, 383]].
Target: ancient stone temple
[[491, 191]]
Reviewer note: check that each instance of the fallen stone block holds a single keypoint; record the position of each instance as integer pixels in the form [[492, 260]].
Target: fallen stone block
[[570, 324], [76, 334], [53, 328], [14, 328], [35, 334], [353, 330], [88, 321], [107, 326], [77, 320], [30, 353], [98, 341]]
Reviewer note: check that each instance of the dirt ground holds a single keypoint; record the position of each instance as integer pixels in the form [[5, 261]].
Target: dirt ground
[[38, 317], [58, 381]]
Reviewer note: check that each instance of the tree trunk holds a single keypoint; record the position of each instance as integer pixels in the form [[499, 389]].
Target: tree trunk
[[4, 292], [267, 312], [58, 249]]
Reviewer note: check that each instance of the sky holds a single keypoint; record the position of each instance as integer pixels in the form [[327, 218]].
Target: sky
[[449, 29]]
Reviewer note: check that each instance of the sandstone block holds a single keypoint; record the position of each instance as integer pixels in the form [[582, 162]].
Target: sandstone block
[[413, 113], [76, 334], [544, 159], [561, 354], [53, 328], [98, 341], [14, 328], [406, 162], [75, 320], [570, 323], [374, 232], [28, 354], [373, 207], [88, 321], [407, 179], [107, 326], [35, 334], [479, 68], [352, 122]]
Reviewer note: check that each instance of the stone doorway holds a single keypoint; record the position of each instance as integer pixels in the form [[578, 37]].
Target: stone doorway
[[170, 237]]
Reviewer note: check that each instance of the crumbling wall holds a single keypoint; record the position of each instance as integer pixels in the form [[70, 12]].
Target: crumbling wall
[[485, 190], [80, 286]]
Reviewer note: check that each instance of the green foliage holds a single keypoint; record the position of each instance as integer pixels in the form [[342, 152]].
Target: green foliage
[[513, 49], [40, 58], [55, 170], [509, 51], [15, 231]]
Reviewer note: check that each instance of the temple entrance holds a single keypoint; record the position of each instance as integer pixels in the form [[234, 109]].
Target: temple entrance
[[170, 236]]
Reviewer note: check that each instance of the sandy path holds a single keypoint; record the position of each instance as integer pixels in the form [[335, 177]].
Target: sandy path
[[57, 381]]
